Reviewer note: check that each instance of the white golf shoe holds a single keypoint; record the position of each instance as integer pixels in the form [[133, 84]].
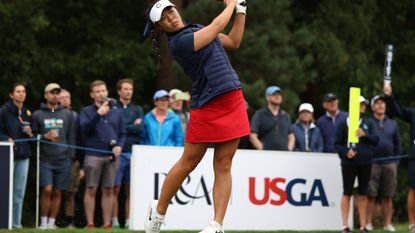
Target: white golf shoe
[[213, 227], [153, 221]]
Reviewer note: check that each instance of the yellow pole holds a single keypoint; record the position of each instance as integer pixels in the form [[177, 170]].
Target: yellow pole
[[354, 114]]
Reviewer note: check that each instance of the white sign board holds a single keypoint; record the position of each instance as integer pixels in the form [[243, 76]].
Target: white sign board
[[271, 190]]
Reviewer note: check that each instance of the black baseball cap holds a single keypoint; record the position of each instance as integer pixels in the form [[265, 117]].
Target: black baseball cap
[[329, 97]]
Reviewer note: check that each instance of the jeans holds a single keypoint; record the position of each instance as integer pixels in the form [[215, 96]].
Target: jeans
[[21, 168]]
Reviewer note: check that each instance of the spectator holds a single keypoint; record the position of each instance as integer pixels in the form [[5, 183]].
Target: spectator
[[177, 97], [271, 126], [383, 178], [307, 134], [407, 114], [356, 160], [132, 117], [56, 125], [15, 124], [161, 126], [102, 128], [330, 121], [77, 171]]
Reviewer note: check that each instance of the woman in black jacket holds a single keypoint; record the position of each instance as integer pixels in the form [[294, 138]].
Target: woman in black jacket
[[356, 161], [14, 125]]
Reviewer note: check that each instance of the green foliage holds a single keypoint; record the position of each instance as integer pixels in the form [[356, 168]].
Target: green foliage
[[73, 43]]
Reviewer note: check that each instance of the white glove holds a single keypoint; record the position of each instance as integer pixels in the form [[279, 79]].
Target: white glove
[[240, 7]]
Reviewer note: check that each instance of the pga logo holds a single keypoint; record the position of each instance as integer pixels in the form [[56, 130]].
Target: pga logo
[[278, 191]]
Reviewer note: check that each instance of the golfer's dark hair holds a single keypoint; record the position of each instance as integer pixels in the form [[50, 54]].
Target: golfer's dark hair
[[155, 33], [155, 36]]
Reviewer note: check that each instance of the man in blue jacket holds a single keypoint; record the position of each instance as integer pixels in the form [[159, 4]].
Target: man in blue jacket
[[162, 127], [102, 128], [407, 114], [383, 178], [330, 121]]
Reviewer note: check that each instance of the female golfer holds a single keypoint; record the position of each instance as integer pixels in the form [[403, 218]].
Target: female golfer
[[218, 113]]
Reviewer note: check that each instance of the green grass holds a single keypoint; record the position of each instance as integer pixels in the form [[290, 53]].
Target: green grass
[[401, 228]]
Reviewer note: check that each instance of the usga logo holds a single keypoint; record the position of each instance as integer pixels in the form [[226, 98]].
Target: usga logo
[[278, 190]]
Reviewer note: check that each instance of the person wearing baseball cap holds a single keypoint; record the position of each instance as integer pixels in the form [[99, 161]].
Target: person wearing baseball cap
[[271, 90], [270, 125], [216, 100], [375, 99], [162, 126], [160, 94], [56, 125], [328, 122], [307, 134], [356, 161], [363, 105], [363, 100], [52, 87], [177, 98], [383, 178]]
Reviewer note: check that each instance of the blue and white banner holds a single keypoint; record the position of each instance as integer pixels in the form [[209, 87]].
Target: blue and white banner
[[271, 190], [6, 184]]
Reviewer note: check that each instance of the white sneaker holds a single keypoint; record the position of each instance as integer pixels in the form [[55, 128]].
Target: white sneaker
[[389, 228], [52, 227], [369, 227], [153, 221], [213, 227], [43, 227]]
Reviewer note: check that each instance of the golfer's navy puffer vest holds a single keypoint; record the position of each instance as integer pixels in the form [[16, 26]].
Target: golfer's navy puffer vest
[[209, 68]]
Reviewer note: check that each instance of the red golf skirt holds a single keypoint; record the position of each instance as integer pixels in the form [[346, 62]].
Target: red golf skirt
[[221, 119]]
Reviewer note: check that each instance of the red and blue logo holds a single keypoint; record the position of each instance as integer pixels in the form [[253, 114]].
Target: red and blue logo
[[278, 191]]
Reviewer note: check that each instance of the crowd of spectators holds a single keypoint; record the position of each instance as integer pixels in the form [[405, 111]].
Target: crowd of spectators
[[109, 127]]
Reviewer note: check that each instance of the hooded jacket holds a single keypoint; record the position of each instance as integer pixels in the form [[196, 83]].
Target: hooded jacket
[[60, 119], [167, 133]]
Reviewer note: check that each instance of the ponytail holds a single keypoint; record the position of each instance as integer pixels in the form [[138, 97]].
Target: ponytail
[[155, 36], [154, 32]]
